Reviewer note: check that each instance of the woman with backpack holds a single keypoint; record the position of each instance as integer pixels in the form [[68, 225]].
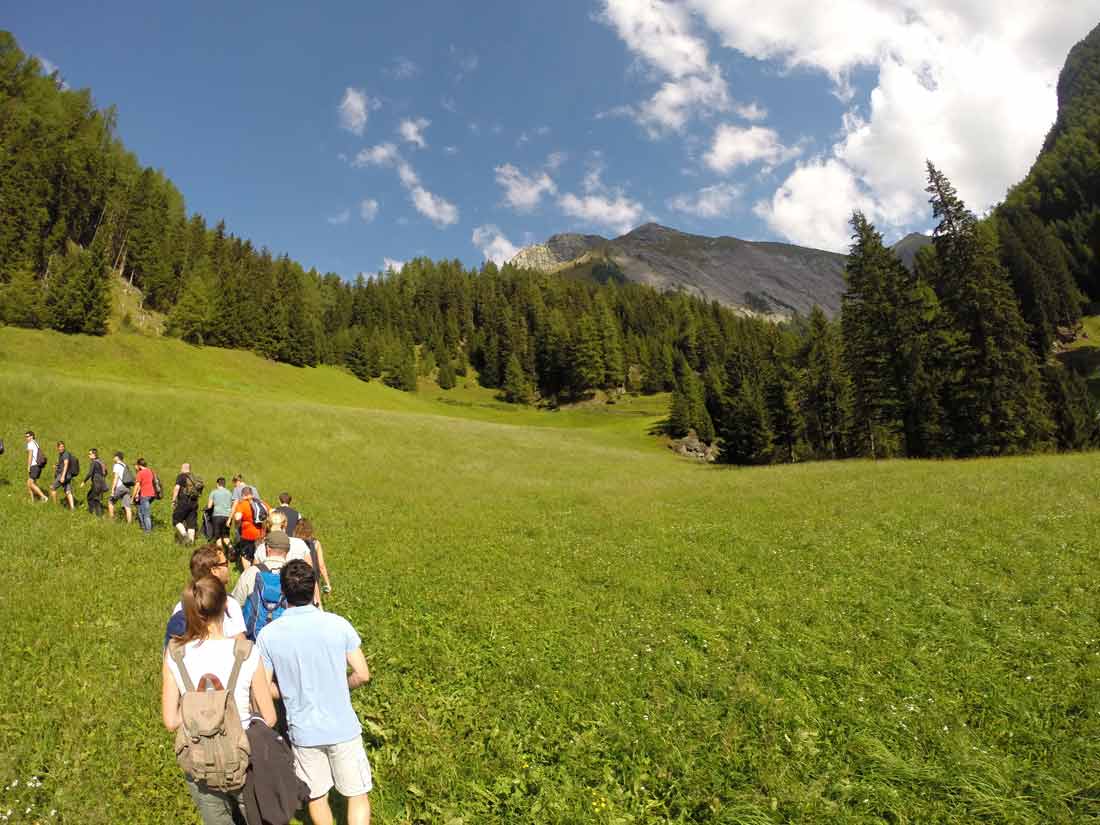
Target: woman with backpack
[[201, 659]]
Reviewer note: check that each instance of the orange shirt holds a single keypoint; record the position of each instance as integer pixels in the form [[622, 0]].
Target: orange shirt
[[249, 530], [143, 482]]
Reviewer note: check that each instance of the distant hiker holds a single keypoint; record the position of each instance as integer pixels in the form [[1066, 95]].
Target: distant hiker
[[185, 503], [309, 652], [317, 556], [209, 682], [63, 473], [208, 560], [36, 460], [259, 590], [97, 476], [291, 514], [239, 486], [122, 484], [145, 490], [248, 533], [220, 505]]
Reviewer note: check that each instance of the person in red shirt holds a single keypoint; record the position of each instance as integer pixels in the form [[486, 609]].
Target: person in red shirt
[[247, 529], [145, 492]]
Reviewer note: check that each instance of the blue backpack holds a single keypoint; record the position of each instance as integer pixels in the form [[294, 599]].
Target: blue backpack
[[266, 602]]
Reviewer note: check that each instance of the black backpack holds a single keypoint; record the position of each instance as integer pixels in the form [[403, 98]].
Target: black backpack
[[42, 460], [74, 467]]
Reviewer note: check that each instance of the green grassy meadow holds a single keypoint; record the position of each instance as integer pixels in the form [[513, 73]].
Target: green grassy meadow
[[565, 622]]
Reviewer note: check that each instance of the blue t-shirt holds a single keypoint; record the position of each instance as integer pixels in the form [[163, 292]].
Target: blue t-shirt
[[307, 649], [223, 502]]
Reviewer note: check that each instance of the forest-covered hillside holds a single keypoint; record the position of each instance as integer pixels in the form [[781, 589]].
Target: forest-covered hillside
[[949, 357]]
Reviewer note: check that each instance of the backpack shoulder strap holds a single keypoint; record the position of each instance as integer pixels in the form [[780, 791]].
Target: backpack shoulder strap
[[242, 649], [176, 652]]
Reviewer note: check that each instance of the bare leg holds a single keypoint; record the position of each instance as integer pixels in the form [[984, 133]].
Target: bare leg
[[359, 810], [129, 515], [320, 812], [69, 497]]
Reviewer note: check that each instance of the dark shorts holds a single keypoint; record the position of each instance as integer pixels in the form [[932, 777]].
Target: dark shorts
[[58, 484], [245, 549], [186, 513], [221, 527], [34, 472]]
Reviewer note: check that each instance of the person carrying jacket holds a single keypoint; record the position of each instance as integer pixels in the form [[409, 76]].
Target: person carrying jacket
[[97, 476]]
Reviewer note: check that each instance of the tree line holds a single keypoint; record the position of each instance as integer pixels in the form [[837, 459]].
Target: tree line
[[949, 358]]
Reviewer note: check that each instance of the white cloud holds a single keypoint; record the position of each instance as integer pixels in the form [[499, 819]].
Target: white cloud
[[662, 35], [813, 206], [407, 174], [493, 244], [523, 192], [403, 68], [449, 104], [412, 131], [450, 150], [339, 218], [392, 265], [354, 109], [752, 112], [383, 154], [436, 209], [709, 202], [679, 100], [368, 209], [733, 146], [967, 83], [599, 205]]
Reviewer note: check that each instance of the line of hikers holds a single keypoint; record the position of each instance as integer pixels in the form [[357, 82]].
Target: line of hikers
[[215, 694], [229, 658], [241, 507]]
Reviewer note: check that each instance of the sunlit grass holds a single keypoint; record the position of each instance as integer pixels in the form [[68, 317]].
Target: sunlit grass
[[565, 622]]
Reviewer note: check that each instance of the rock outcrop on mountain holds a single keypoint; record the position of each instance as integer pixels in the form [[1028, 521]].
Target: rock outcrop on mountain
[[763, 278]]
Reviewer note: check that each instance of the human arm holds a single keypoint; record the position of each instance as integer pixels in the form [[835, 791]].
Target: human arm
[[273, 686], [175, 493], [64, 469], [360, 673], [262, 696], [323, 568], [169, 697], [243, 588]]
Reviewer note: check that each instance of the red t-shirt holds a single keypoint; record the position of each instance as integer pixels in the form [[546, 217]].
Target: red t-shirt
[[143, 482], [249, 530]]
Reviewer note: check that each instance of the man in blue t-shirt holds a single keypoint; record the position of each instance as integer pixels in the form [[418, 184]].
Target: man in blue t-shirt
[[309, 652]]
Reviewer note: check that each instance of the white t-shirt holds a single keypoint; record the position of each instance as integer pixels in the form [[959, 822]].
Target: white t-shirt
[[232, 624], [117, 470], [32, 448], [215, 656], [298, 550]]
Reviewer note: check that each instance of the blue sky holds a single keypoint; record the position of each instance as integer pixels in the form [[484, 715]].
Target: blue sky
[[368, 131]]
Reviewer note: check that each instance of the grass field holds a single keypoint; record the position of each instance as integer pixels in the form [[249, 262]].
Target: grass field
[[565, 622]]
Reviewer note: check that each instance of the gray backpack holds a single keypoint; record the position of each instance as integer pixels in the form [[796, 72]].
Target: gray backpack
[[211, 743]]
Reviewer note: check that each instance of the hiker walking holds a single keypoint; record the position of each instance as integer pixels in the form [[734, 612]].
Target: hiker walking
[[291, 514], [145, 488], [208, 682], [97, 477], [122, 484], [247, 516], [208, 560], [185, 503], [219, 507], [309, 652], [36, 460], [259, 589], [64, 471], [316, 557]]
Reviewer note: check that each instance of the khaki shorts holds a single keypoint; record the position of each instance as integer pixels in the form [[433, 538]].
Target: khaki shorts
[[344, 765]]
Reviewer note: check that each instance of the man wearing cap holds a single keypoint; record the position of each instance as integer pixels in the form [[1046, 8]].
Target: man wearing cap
[[278, 545]]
